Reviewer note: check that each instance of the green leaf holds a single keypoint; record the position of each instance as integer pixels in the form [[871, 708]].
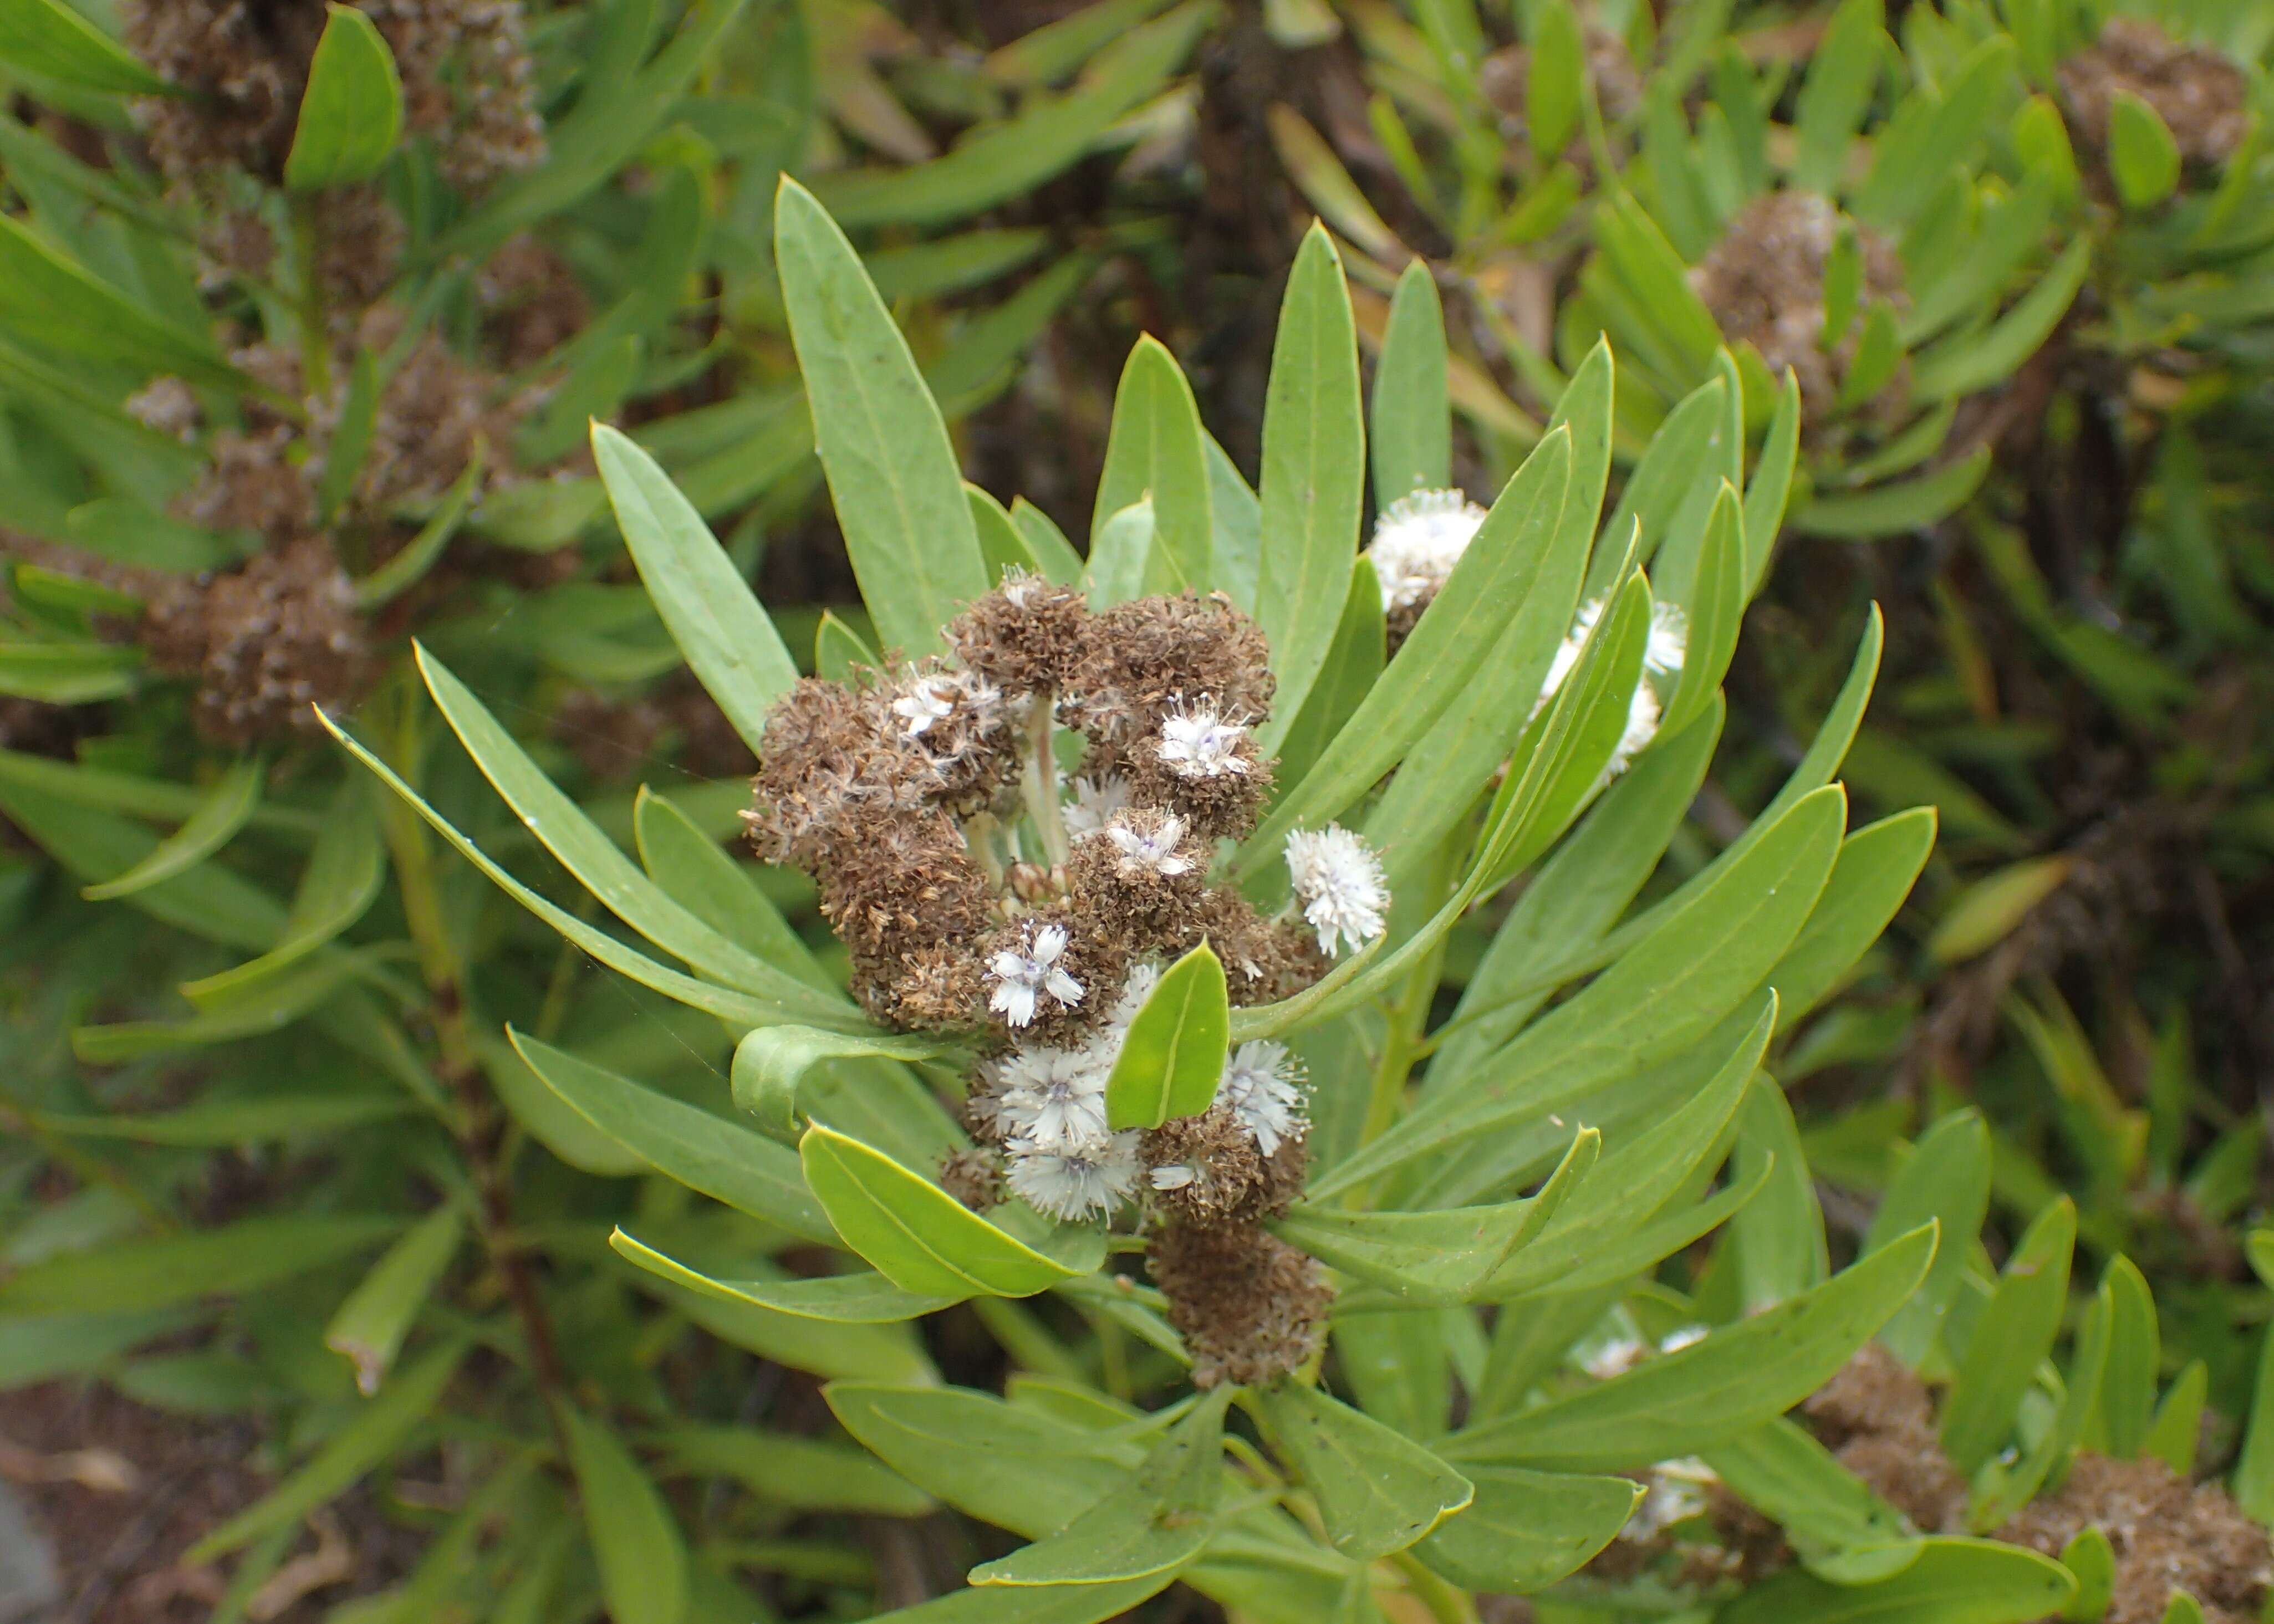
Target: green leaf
[[1173, 1057], [892, 470], [37, 1348], [1556, 82], [1314, 475], [1932, 132], [2142, 155], [1778, 1234], [1120, 556], [1377, 1490], [373, 1434], [1878, 866], [1733, 1379], [922, 1238], [1697, 965], [1051, 1604], [1989, 910], [726, 1003], [803, 1474], [835, 1299], [1448, 648], [49, 37], [1951, 1582], [2178, 1431], [2012, 1337], [771, 1063], [1526, 1529], [1007, 1464], [838, 650], [1048, 543], [1945, 1179], [48, 299], [2253, 1483], [1783, 1473], [1156, 449], [1445, 1255], [721, 1159], [351, 116], [564, 829], [2090, 1559], [548, 1118], [367, 1329], [729, 641], [227, 807], [1715, 612], [158, 1273], [216, 1124], [1892, 509], [680, 855], [1966, 363], [1008, 159], [636, 1544], [2127, 1388], [1412, 418], [345, 872], [1155, 1523]]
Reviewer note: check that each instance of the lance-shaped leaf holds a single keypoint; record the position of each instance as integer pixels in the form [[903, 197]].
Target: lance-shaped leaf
[[1313, 477], [636, 1544], [705, 1152], [865, 1299], [351, 116], [1443, 1257], [1946, 1179], [369, 1327], [346, 868], [1173, 1060], [772, 1062], [48, 298], [1526, 1529], [730, 642], [1413, 417], [1049, 1604], [227, 807], [1716, 1388], [922, 1238], [2011, 1338], [892, 473], [1949, 1582], [1782, 1471], [1156, 448], [49, 37], [1378, 1491], [1155, 1522]]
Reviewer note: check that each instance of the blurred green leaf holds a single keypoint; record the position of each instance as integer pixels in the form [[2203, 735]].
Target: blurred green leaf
[[1156, 450], [2012, 1338], [351, 114], [636, 1545], [368, 1327], [2143, 157], [1526, 1529], [157, 1272], [836, 1299], [49, 37], [227, 807], [1952, 1581]]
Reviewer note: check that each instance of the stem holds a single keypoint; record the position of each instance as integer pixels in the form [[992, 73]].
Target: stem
[[1043, 778], [316, 337], [1402, 1044], [481, 1130]]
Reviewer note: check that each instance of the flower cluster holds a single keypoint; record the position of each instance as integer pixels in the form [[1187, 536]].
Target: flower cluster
[[1417, 540], [982, 889]]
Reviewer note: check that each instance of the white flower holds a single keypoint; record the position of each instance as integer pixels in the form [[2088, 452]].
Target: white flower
[[1669, 641], [1074, 1184], [1096, 800], [1199, 744], [1262, 1086], [1615, 1357], [934, 697], [1144, 978], [1175, 1175], [1156, 853], [1677, 1493], [929, 700], [1020, 584], [1021, 978], [1341, 883], [1417, 541], [1053, 1099], [1642, 727]]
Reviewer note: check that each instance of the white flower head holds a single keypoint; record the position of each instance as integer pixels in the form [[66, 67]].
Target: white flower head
[[1197, 743], [1642, 727], [1053, 1099], [1144, 978], [933, 697], [1417, 541], [1096, 800], [1153, 854], [1340, 882], [1081, 1182], [1262, 1088], [1023, 977], [1676, 1493], [1669, 641]]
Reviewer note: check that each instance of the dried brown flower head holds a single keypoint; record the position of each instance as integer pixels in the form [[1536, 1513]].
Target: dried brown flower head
[[1250, 1307], [1764, 283], [264, 643], [2202, 97]]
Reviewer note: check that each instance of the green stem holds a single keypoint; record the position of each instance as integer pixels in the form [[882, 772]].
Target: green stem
[[1446, 1605], [315, 335], [1409, 1016], [1043, 779]]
